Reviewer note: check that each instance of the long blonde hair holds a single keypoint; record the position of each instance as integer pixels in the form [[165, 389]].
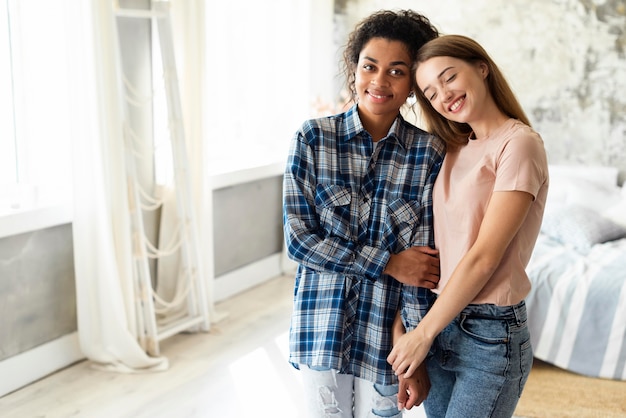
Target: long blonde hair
[[470, 51]]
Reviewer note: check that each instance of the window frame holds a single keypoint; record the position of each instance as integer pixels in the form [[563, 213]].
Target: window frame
[[37, 55]]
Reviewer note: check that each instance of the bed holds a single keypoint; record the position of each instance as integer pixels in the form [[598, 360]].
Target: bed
[[577, 305]]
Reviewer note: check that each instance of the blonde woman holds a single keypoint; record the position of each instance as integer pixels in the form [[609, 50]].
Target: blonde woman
[[488, 203]]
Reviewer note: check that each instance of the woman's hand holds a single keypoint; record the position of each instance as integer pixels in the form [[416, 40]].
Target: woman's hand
[[415, 266], [414, 390], [409, 351]]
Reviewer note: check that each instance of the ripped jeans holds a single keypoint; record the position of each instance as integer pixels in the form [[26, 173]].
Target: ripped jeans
[[330, 394]]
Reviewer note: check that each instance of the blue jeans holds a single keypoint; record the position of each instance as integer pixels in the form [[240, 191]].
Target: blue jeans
[[330, 394], [479, 363]]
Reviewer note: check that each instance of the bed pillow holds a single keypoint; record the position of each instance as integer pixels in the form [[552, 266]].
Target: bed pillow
[[617, 212], [593, 187], [580, 227], [601, 175]]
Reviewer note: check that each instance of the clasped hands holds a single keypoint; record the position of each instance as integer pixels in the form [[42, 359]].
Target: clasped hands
[[408, 353], [415, 266]]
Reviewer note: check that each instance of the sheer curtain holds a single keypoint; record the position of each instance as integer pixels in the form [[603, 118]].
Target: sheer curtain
[[101, 228]]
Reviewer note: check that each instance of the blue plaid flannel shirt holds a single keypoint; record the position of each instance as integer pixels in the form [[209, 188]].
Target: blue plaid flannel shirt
[[348, 203]]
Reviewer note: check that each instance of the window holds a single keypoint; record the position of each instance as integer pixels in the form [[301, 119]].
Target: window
[[262, 81], [35, 126], [257, 80], [8, 173]]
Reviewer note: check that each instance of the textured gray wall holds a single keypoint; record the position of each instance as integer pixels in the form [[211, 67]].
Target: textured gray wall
[[37, 292], [247, 223], [566, 60]]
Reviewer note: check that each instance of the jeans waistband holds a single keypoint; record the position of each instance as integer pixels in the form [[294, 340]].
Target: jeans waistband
[[516, 313]]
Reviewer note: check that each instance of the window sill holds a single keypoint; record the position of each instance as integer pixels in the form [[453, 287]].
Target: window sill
[[27, 220], [30, 220], [227, 176]]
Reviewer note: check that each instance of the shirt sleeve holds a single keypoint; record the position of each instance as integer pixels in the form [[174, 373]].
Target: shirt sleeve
[[416, 301], [521, 164], [306, 242]]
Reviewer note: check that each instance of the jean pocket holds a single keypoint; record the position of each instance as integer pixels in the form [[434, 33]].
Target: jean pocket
[[484, 344], [487, 330], [526, 363]]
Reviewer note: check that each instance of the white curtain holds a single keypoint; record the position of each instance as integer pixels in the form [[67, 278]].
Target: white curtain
[[101, 227], [188, 25]]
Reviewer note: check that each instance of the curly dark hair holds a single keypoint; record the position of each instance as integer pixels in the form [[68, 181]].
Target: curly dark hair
[[406, 26]]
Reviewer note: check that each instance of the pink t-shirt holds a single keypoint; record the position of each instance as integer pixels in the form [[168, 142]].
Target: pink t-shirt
[[511, 158]]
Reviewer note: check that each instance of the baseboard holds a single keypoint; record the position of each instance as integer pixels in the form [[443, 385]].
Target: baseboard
[[246, 277], [25, 368]]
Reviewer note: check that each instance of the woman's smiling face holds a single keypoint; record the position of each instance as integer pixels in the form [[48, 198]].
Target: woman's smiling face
[[383, 78], [455, 88]]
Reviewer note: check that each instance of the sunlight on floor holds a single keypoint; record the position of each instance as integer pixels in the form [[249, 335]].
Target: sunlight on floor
[[269, 383]]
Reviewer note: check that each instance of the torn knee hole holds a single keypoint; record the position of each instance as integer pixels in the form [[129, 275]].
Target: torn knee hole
[[385, 405], [328, 402]]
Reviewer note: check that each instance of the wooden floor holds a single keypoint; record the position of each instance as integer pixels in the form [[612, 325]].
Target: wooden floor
[[239, 369]]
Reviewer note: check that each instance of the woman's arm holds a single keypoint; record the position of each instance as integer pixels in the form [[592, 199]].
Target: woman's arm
[[505, 214], [306, 241], [413, 390]]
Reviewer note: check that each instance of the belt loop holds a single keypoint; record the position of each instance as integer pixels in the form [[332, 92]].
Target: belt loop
[[516, 312]]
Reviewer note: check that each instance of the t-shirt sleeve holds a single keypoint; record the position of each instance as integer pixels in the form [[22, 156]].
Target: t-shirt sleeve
[[522, 164]]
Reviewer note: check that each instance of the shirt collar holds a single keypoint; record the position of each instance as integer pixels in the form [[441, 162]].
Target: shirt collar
[[397, 131]]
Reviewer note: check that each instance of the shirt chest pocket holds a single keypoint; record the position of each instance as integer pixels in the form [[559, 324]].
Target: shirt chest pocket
[[333, 207], [404, 218]]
